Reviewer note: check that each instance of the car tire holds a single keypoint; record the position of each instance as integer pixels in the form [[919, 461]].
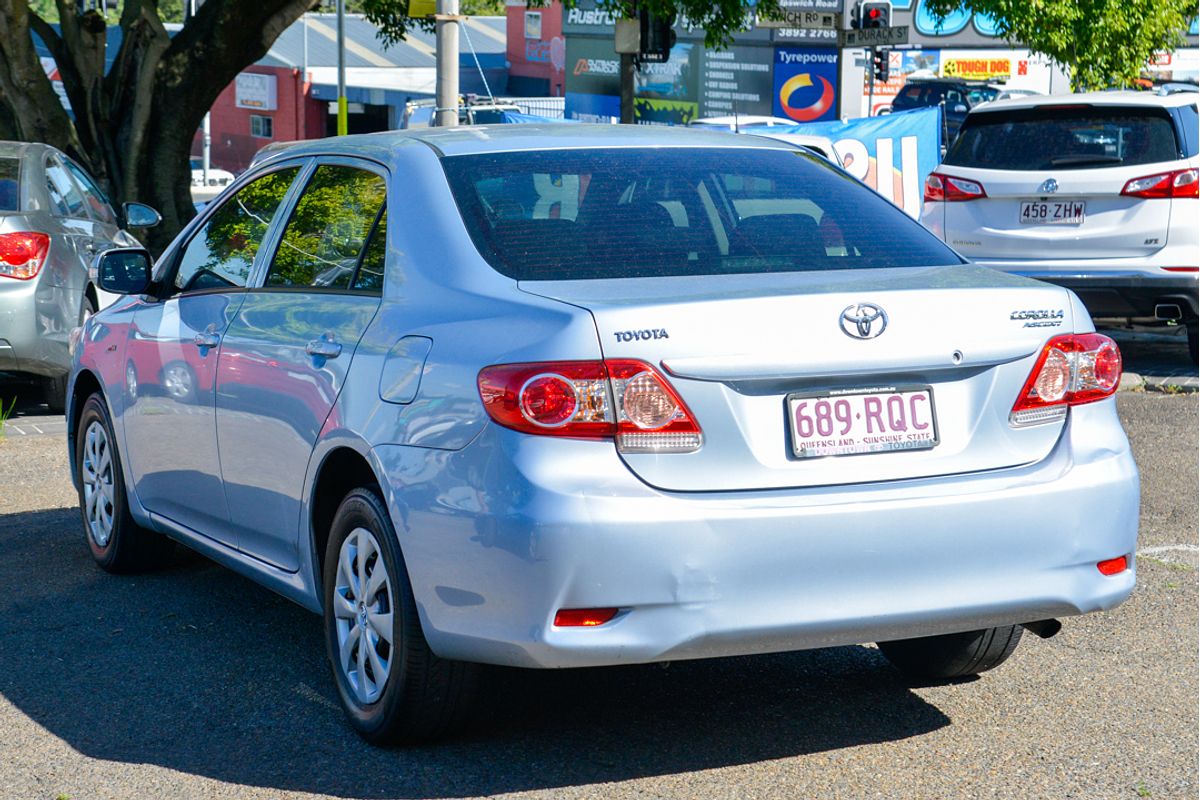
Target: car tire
[[117, 543], [421, 697], [54, 390], [955, 655], [1193, 340]]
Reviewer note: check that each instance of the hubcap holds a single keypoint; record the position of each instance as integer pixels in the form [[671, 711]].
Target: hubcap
[[362, 610], [97, 474]]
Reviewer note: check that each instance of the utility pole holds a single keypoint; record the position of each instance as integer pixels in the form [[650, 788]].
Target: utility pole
[[206, 127], [343, 124], [628, 70], [447, 63], [870, 81]]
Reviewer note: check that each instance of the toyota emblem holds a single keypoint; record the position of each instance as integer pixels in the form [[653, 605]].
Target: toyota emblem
[[863, 321], [1049, 186]]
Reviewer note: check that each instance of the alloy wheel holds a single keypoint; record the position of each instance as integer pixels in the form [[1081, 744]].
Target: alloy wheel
[[96, 471], [362, 609]]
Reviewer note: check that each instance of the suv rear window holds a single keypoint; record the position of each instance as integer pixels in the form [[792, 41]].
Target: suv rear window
[[1079, 137], [642, 212], [10, 184]]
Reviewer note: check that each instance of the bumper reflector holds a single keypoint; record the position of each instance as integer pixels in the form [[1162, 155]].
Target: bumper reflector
[[583, 617], [1113, 565]]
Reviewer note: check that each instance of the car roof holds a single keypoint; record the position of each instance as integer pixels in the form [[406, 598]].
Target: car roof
[[1121, 98], [20, 149], [478, 139]]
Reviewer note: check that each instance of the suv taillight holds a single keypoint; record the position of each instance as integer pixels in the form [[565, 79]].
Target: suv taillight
[[948, 189], [622, 399], [1071, 370], [1180, 183], [23, 254]]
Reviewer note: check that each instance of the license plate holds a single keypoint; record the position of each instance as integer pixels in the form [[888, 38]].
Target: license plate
[[1066, 212], [850, 422]]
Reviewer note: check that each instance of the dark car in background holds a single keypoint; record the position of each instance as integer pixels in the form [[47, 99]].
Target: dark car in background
[[53, 221], [957, 96]]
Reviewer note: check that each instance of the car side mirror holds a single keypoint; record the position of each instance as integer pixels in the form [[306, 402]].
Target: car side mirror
[[122, 270], [960, 109], [140, 215]]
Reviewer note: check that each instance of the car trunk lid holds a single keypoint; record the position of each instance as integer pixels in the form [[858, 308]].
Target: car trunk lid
[[737, 347]]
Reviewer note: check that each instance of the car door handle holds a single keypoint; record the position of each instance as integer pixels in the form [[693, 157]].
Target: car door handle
[[323, 348], [207, 339]]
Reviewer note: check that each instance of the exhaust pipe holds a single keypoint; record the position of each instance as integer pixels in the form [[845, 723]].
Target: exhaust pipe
[[1045, 628], [1170, 312]]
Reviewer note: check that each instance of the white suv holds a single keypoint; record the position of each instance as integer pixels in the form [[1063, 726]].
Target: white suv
[[1096, 192]]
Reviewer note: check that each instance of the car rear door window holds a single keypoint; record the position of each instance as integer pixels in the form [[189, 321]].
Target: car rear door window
[[370, 271], [221, 253], [1062, 138], [642, 212], [328, 230]]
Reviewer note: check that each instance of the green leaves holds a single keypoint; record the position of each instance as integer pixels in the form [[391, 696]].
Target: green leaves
[[1102, 43]]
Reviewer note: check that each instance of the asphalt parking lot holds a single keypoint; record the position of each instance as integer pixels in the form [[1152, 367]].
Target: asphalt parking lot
[[193, 682]]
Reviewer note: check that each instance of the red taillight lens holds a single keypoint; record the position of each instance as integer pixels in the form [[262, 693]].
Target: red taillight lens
[[583, 617], [1071, 370], [1113, 566], [948, 189], [1180, 183], [622, 399], [23, 254]]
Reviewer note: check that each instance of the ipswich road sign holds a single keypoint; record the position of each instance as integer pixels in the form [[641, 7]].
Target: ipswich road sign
[[800, 18]]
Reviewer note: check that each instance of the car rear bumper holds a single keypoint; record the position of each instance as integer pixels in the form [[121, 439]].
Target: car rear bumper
[[564, 524], [1113, 289]]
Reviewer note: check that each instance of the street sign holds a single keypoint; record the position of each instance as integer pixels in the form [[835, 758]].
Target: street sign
[[873, 37], [800, 18]]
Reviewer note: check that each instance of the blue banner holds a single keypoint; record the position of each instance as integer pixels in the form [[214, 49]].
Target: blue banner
[[903, 147], [805, 81]]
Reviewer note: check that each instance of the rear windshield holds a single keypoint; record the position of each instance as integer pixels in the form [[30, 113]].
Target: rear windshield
[[642, 212], [10, 184], [1080, 137]]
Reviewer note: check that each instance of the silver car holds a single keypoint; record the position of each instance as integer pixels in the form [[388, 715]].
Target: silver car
[[53, 220], [559, 397]]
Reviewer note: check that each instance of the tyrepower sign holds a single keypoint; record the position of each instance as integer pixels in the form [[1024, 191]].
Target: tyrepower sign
[[252, 90]]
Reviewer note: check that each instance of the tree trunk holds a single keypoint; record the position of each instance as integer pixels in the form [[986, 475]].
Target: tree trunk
[[133, 126]]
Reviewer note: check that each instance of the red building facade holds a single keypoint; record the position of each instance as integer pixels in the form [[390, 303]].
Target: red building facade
[[265, 104], [536, 51]]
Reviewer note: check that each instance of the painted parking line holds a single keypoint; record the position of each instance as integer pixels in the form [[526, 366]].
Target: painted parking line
[[1172, 553]]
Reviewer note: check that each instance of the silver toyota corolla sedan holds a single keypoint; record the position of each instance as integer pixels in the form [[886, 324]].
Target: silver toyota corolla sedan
[[578, 396], [53, 220]]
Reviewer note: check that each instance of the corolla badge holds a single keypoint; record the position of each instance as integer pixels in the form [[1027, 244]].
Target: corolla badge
[[1049, 186], [863, 321]]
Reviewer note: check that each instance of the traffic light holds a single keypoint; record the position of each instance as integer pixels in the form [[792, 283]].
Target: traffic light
[[879, 59], [658, 36], [875, 14]]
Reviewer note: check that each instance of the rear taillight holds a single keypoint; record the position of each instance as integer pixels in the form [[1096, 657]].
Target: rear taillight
[[23, 254], [1180, 183], [1071, 370], [621, 399], [948, 189]]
